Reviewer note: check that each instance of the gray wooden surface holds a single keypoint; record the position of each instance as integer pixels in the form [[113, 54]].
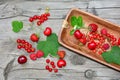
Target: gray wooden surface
[[77, 65]]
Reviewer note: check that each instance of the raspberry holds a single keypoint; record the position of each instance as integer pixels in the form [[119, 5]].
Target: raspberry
[[39, 54], [105, 46], [104, 31], [93, 27], [33, 56]]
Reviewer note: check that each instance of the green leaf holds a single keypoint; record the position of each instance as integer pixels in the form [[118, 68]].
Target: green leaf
[[50, 46], [72, 32], [80, 21], [17, 26], [112, 56], [73, 21]]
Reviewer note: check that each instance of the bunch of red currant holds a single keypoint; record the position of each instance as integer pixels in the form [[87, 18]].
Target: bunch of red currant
[[25, 45], [51, 66], [96, 41], [39, 18]]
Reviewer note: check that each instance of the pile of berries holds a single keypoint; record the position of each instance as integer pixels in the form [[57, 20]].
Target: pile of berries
[[25, 45], [39, 18], [97, 41], [51, 66]]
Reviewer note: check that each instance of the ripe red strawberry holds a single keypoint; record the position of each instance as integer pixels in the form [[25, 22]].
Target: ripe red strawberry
[[78, 34], [119, 41], [34, 37], [83, 41], [104, 31], [92, 27]]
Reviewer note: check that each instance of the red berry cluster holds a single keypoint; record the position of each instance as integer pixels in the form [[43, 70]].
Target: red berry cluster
[[36, 55], [25, 45], [40, 18], [51, 66], [97, 41]]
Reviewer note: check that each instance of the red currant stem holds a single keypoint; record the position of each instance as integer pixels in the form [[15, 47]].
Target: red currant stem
[[47, 10]]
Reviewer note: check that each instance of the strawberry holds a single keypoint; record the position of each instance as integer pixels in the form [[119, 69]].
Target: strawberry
[[119, 41], [61, 54], [92, 27], [33, 56], [34, 37], [83, 41]]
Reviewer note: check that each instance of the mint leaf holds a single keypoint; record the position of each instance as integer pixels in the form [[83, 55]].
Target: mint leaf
[[17, 26], [73, 21], [72, 32], [50, 46], [112, 56], [80, 21]]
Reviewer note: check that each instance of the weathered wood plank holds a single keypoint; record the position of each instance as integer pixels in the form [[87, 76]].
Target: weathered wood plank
[[104, 4]]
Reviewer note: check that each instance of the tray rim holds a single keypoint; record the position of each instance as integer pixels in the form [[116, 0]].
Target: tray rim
[[78, 51]]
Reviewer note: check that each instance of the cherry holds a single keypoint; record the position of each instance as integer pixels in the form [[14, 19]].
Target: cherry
[[61, 63], [47, 31], [78, 34], [92, 45], [47, 60], [22, 59]]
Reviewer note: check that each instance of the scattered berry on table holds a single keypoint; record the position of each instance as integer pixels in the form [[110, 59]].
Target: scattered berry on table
[[47, 60], [33, 56], [39, 54], [22, 59], [47, 31]]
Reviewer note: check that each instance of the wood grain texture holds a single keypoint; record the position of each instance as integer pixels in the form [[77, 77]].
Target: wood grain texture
[[77, 66]]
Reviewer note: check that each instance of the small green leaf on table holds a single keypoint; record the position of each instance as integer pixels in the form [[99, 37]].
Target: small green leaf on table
[[17, 26]]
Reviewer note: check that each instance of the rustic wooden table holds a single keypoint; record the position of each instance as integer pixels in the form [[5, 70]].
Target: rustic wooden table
[[78, 67]]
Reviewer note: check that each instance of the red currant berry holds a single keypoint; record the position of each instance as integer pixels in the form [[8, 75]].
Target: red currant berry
[[26, 43], [29, 50], [53, 66], [47, 67], [41, 21], [35, 17], [19, 46], [39, 17], [31, 19], [23, 41], [26, 48], [38, 23], [52, 63], [29, 46], [32, 49], [55, 70], [48, 14], [18, 41], [22, 59], [45, 18], [50, 69], [47, 60]]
